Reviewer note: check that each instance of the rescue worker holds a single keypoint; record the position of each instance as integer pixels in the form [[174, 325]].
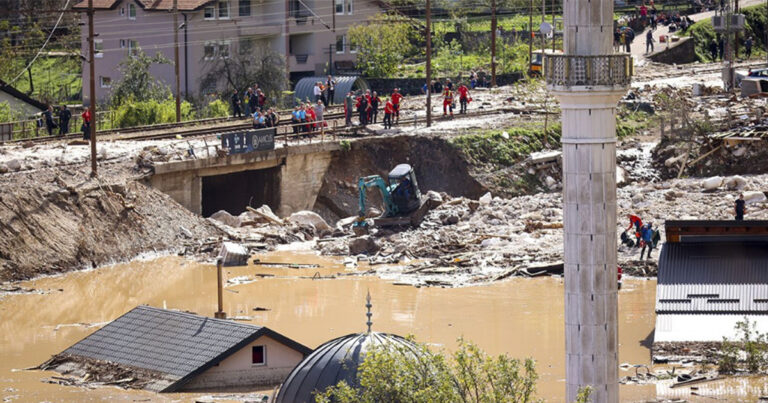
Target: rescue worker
[[638, 224], [375, 101], [463, 98], [349, 101], [396, 98], [362, 109], [647, 235], [388, 110], [447, 101], [86, 127]]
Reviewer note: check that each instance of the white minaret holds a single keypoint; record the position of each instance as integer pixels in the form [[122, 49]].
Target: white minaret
[[589, 79]]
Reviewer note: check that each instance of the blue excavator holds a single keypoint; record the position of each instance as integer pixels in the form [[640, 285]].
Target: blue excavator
[[402, 199]]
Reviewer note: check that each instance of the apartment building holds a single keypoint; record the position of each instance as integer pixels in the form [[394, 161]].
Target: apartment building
[[311, 34]]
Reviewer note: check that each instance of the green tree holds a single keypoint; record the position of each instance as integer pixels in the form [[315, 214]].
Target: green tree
[[382, 43], [243, 69], [136, 83], [402, 374]]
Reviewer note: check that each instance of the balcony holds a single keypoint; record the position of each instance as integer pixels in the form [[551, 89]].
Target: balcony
[[605, 70]]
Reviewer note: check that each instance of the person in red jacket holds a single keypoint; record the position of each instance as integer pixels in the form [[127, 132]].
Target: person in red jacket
[[447, 101], [389, 109], [86, 127], [311, 117], [638, 224], [463, 97], [396, 98]]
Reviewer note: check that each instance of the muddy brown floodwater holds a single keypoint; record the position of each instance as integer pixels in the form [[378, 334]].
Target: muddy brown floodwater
[[521, 317]]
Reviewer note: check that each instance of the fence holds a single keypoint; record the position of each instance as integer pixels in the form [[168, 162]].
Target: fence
[[603, 70]]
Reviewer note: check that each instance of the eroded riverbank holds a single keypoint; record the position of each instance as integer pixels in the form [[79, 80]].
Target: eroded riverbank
[[521, 317]]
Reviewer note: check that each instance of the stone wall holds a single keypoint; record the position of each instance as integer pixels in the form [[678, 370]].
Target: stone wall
[[679, 52]]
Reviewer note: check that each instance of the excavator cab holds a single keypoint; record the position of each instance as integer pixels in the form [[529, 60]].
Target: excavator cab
[[404, 188]]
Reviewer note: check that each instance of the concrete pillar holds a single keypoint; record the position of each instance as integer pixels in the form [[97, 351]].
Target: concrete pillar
[[589, 80]]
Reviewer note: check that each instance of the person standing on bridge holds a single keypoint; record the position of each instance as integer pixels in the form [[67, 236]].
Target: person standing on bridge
[[319, 109], [236, 111], [330, 83], [271, 118], [649, 40]]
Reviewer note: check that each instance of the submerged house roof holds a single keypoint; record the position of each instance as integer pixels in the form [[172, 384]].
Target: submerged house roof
[[711, 276], [175, 344]]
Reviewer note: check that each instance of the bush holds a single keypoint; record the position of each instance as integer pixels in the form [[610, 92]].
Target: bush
[[216, 109], [6, 114], [754, 344], [132, 113], [506, 147]]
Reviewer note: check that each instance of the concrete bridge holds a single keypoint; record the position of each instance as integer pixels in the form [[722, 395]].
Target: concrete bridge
[[287, 179]]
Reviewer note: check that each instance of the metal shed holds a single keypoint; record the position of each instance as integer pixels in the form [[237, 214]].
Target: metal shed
[[305, 87]]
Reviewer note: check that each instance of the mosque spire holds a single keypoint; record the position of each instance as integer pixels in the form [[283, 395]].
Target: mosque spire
[[368, 314]]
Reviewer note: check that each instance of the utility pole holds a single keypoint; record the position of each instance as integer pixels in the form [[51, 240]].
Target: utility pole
[[429, 62], [333, 14], [176, 57], [736, 34], [92, 89], [493, 43], [554, 25], [530, 34]]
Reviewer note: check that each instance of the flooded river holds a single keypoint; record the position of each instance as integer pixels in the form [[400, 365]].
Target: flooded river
[[521, 317]]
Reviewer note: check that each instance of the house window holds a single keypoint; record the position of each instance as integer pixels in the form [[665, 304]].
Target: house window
[[246, 45], [122, 43], [245, 8], [133, 47], [224, 49], [105, 82], [339, 6], [223, 10], [352, 48], [98, 48], [132, 11], [257, 355], [349, 6], [122, 11], [209, 13], [209, 50], [340, 42]]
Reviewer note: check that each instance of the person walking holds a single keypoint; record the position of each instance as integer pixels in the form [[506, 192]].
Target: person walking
[[647, 236], [649, 41], [463, 98], [86, 127], [375, 101], [713, 50], [739, 207], [447, 101], [236, 103], [630, 36], [748, 47], [49, 123], [396, 98], [388, 110], [64, 116], [330, 83]]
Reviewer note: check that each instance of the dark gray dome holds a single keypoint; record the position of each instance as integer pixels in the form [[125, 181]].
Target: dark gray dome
[[305, 88], [332, 362]]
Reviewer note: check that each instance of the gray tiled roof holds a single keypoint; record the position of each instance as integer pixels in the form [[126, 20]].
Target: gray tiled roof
[[725, 277], [175, 343]]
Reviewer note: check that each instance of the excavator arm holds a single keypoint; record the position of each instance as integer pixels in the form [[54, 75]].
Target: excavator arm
[[363, 184]]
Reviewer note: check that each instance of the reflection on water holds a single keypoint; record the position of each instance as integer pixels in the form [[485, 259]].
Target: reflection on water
[[521, 317]]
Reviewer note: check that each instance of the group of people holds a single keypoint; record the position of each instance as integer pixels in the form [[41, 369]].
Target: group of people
[[308, 117], [446, 90], [252, 101], [49, 121], [367, 105], [646, 237], [325, 91], [717, 47]]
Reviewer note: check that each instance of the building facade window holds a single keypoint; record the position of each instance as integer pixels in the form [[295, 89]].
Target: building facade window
[[341, 41], [258, 356], [209, 13], [244, 7], [349, 7], [224, 49], [352, 48], [209, 50], [133, 47], [132, 11], [98, 48], [339, 6], [245, 45], [223, 10], [122, 11], [105, 82]]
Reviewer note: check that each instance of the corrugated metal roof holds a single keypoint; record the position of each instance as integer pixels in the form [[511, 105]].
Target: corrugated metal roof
[[332, 362], [728, 277], [305, 88], [175, 343]]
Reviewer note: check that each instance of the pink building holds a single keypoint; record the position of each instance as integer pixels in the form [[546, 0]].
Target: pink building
[[310, 32]]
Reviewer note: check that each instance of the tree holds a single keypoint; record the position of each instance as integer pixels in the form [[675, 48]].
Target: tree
[[136, 83], [414, 375], [249, 66], [382, 43]]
